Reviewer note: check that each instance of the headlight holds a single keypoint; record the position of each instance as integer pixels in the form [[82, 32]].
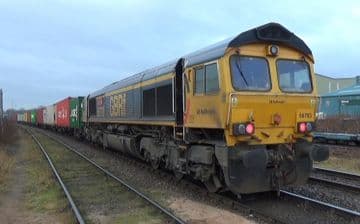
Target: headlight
[[273, 50]]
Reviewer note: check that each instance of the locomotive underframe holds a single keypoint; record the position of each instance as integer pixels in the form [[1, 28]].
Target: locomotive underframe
[[241, 169]]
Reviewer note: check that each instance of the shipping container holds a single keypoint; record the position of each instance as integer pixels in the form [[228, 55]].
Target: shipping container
[[33, 117], [49, 115], [40, 116], [28, 117], [25, 117], [84, 110], [63, 113], [20, 117], [76, 108]]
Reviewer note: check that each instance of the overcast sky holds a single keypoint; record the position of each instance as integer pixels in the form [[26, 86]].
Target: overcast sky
[[53, 49]]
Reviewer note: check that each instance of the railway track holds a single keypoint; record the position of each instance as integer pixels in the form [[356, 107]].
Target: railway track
[[343, 212], [270, 208], [170, 217], [343, 180]]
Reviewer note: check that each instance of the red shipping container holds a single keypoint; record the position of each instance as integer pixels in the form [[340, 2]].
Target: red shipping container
[[63, 113], [40, 115]]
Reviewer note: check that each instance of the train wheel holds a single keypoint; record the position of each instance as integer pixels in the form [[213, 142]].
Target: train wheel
[[178, 175], [155, 163], [213, 184]]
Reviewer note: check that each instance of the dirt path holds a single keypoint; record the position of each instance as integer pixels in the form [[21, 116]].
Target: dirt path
[[14, 200]]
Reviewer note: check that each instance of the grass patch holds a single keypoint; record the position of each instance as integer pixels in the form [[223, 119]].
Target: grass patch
[[8, 132], [6, 163], [347, 165], [98, 197], [142, 215], [43, 193], [8, 137], [343, 158]]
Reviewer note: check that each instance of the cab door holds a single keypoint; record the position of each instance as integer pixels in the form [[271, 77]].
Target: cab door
[[203, 105]]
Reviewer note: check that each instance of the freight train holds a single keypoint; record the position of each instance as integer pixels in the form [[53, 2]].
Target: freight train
[[237, 115]]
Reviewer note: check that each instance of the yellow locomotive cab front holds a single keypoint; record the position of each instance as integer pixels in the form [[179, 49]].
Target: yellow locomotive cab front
[[271, 113], [272, 95]]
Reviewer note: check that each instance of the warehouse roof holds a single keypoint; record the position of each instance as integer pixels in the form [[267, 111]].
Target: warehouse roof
[[349, 91]]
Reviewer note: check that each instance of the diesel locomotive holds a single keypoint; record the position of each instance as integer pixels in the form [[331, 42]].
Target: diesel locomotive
[[236, 115]]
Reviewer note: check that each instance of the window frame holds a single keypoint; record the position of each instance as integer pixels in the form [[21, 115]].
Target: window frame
[[203, 66], [203, 83], [278, 75], [250, 90]]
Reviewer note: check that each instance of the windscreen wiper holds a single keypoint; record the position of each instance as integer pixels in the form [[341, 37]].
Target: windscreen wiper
[[241, 73]]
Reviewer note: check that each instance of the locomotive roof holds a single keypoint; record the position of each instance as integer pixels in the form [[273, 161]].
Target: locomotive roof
[[273, 33]]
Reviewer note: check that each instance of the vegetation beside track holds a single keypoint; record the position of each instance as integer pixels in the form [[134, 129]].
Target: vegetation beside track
[[343, 158], [6, 163], [43, 192], [8, 135], [28, 190], [99, 198]]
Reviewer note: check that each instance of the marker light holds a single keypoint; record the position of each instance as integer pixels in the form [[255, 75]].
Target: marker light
[[250, 128], [302, 127], [243, 129], [305, 127]]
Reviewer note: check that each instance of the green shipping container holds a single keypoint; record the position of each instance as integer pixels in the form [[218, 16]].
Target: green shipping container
[[33, 116], [76, 108]]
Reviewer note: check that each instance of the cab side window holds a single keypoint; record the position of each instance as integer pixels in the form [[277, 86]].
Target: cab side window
[[206, 80], [199, 80]]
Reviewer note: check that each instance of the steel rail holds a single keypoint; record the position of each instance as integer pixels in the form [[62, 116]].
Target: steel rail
[[136, 191], [74, 208], [338, 173], [325, 204], [350, 187]]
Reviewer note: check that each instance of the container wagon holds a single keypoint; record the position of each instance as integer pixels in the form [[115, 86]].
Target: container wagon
[[33, 114], [49, 116], [69, 114], [40, 116]]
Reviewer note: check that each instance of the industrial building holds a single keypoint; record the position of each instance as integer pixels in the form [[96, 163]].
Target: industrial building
[[344, 102], [326, 84]]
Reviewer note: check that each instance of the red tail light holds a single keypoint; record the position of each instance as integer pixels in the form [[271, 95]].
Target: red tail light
[[304, 127], [250, 128], [244, 129]]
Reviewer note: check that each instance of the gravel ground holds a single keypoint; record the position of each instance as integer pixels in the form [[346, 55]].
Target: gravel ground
[[328, 194], [178, 195], [337, 179]]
